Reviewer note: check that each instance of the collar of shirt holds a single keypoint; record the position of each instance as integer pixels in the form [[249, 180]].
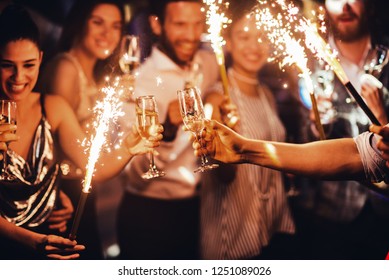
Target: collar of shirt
[[353, 71], [164, 63]]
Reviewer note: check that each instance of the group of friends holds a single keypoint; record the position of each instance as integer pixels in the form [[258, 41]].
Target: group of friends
[[237, 211]]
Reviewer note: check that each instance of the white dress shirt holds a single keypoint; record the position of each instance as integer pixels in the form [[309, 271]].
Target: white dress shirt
[[161, 77]]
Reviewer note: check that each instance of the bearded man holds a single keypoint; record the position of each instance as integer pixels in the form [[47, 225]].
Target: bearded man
[[346, 220]]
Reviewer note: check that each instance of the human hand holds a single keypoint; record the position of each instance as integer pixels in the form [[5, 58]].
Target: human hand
[[383, 141], [220, 143], [229, 113], [374, 99], [59, 218], [136, 145], [7, 135], [57, 247]]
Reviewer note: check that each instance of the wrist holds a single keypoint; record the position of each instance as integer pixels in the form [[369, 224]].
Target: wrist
[[36, 241], [127, 147], [250, 152]]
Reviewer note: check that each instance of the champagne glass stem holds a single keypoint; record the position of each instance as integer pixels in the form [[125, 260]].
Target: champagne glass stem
[[204, 159], [4, 163], [152, 164]]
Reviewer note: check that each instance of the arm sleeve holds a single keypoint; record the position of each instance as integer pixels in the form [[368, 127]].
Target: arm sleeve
[[373, 164]]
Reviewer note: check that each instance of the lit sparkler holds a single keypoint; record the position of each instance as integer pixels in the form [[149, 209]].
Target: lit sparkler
[[291, 51], [296, 55], [106, 111], [216, 20], [319, 47], [290, 22]]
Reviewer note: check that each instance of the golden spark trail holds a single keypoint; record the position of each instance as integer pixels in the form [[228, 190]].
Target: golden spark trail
[[106, 111]]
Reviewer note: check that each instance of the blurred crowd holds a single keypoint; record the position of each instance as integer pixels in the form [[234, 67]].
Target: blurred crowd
[[232, 211]]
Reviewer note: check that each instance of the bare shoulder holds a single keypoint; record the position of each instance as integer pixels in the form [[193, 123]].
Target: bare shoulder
[[65, 66], [57, 108]]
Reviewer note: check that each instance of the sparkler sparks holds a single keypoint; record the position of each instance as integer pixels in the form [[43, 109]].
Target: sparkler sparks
[[216, 20], [288, 49], [107, 110], [288, 21]]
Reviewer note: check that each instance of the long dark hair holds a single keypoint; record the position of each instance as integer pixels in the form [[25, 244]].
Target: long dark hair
[[16, 24], [75, 28]]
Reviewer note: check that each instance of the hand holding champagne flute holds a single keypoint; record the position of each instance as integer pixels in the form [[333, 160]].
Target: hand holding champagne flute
[[192, 112], [147, 124], [7, 116]]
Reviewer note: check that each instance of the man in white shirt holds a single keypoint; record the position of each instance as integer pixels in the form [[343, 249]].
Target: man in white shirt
[[158, 218]]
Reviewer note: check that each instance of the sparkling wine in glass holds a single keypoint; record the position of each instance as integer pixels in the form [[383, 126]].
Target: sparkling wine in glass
[[7, 116], [129, 61], [147, 122], [192, 112], [375, 61]]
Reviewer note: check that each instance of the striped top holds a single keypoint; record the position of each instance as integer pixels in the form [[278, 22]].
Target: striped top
[[239, 217]]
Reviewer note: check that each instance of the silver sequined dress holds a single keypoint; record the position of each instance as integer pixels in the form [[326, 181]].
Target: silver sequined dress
[[29, 200]]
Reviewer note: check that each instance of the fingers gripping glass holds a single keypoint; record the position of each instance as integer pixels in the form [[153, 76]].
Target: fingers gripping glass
[[147, 122], [7, 116], [192, 112]]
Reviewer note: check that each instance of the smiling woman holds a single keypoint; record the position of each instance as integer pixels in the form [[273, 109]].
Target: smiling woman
[[256, 220], [33, 210], [20, 75], [88, 49]]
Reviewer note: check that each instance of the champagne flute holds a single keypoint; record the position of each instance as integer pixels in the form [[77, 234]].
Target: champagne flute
[[7, 116], [375, 61], [129, 62], [146, 122], [192, 112], [323, 79]]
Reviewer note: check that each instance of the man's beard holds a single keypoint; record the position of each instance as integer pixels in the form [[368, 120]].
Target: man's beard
[[350, 33], [166, 47]]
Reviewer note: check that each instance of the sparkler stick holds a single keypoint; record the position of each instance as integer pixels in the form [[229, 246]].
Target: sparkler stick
[[106, 110], [77, 217], [318, 124], [315, 41]]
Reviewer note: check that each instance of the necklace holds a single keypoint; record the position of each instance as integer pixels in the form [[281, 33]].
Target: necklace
[[242, 78]]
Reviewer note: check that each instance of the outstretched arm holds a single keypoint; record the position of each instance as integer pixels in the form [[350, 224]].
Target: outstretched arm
[[331, 159], [71, 135]]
